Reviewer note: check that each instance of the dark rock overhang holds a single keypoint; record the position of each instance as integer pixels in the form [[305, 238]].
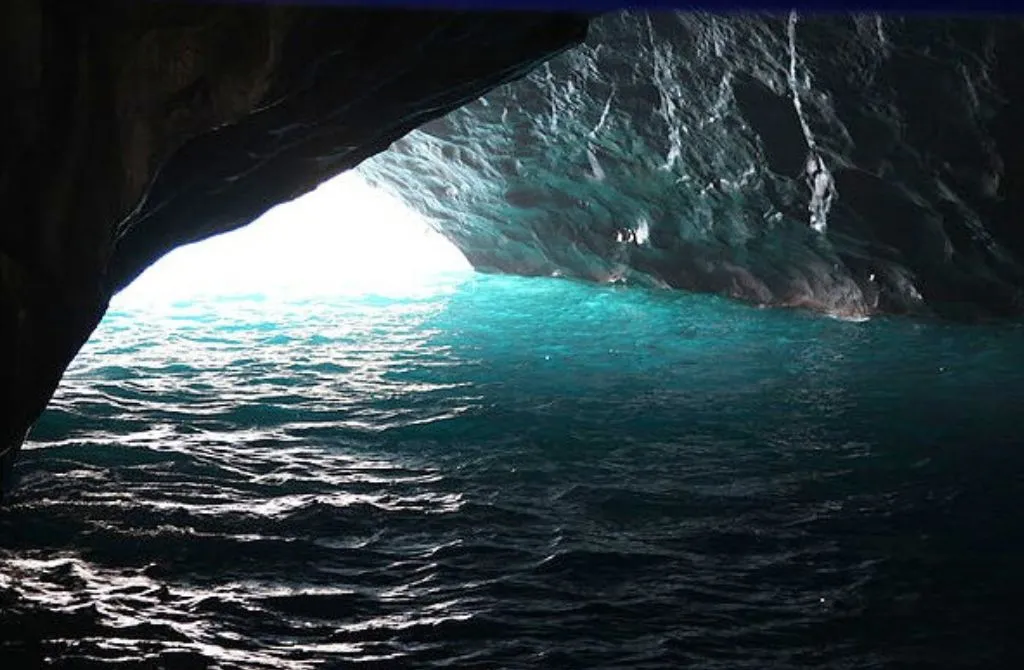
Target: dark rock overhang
[[132, 128]]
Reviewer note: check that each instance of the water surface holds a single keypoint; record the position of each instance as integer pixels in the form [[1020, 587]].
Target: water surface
[[508, 472]]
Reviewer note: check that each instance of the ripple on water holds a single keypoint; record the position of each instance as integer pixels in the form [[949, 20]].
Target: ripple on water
[[520, 473]]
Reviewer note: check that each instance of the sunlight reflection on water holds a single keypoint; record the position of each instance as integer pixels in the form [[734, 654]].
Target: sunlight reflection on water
[[518, 472]]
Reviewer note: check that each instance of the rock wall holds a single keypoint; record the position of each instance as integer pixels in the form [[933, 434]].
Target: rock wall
[[852, 165], [130, 128], [848, 164]]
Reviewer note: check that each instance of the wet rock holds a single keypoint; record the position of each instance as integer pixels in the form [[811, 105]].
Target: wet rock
[[848, 164]]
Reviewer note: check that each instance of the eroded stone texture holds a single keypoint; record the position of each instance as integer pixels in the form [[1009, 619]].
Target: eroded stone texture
[[131, 128], [851, 165]]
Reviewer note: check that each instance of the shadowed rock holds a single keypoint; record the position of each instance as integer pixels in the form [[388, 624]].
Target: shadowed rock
[[131, 128]]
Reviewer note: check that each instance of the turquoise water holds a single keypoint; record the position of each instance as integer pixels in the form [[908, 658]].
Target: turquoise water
[[508, 472]]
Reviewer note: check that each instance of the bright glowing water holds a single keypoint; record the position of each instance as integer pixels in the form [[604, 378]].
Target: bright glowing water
[[507, 472]]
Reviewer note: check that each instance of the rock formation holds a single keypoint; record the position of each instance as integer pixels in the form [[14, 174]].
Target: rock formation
[[852, 165], [130, 128], [848, 164]]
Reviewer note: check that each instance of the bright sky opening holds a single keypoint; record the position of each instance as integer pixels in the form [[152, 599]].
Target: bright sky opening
[[345, 237]]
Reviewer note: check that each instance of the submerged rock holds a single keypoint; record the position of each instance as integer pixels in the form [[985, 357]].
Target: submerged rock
[[849, 164]]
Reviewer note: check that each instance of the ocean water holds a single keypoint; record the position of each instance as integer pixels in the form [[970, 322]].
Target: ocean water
[[500, 472]]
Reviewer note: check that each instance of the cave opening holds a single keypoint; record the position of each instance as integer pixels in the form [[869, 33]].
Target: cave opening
[[322, 439], [346, 237]]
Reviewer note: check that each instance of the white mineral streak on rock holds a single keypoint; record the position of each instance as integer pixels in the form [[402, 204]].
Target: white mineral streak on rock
[[819, 178]]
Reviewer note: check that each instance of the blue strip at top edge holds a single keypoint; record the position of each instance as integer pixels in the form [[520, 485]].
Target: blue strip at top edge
[[950, 7]]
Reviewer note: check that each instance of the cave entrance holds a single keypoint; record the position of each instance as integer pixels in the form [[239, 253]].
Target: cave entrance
[[345, 237]]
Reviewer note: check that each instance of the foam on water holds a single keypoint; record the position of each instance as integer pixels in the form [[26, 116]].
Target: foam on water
[[509, 472]]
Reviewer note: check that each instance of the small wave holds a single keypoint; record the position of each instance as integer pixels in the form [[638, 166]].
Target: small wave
[[472, 479]]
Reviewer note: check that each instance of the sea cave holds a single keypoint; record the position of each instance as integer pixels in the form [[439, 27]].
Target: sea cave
[[410, 338]]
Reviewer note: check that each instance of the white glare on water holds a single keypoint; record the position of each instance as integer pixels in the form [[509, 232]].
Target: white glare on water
[[344, 237]]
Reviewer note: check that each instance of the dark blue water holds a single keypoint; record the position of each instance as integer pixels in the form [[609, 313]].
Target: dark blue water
[[504, 472]]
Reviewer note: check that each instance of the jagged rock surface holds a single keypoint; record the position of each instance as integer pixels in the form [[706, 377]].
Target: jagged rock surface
[[132, 128], [849, 164], [852, 165]]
